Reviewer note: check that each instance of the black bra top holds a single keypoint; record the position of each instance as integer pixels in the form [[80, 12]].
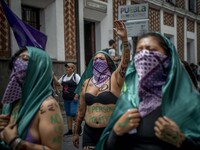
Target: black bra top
[[106, 97]]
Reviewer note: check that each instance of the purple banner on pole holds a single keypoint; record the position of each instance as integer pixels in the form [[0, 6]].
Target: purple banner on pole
[[25, 34]]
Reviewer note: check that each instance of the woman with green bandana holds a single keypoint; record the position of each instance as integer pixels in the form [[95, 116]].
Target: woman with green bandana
[[31, 117], [99, 89], [158, 108]]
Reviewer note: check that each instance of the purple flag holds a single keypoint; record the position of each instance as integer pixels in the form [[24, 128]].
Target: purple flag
[[25, 34]]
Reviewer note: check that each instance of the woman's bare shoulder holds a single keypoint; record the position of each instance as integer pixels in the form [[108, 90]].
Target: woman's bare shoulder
[[86, 82], [50, 103]]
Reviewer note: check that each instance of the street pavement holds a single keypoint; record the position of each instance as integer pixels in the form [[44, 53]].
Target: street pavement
[[68, 143], [67, 140]]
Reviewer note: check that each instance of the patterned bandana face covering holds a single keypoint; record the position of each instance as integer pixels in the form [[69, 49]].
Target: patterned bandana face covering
[[14, 88], [101, 72], [151, 67]]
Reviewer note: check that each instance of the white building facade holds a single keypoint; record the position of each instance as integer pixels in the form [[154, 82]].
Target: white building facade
[[76, 29]]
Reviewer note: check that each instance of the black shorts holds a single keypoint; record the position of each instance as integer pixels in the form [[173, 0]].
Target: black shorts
[[91, 135]]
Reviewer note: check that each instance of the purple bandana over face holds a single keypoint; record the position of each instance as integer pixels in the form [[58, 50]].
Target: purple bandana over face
[[13, 91], [101, 72], [151, 67]]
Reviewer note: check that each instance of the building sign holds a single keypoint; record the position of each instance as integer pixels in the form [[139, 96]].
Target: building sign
[[137, 27], [132, 12], [96, 5]]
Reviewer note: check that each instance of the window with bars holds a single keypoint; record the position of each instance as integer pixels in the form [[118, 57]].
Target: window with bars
[[172, 2], [31, 15], [192, 6]]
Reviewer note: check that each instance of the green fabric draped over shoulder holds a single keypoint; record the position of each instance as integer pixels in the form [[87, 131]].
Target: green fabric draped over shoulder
[[36, 88], [88, 73], [180, 102]]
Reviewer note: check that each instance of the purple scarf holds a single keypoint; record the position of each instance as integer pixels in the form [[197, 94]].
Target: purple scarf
[[13, 91], [101, 72], [151, 67]]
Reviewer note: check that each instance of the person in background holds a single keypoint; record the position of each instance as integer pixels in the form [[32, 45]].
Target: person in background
[[198, 75], [112, 52], [190, 72], [194, 69], [31, 118], [111, 49], [100, 87], [198, 72], [69, 82], [158, 108]]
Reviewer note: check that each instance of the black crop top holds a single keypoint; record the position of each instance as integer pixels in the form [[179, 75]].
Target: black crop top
[[145, 138], [106, 97]]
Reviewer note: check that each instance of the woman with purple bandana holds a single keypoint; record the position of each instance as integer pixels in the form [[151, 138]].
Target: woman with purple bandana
[[31, 117], [158, 108], [99, 90]]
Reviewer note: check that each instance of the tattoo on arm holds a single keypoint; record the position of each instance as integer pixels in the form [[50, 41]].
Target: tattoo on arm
[[122, 71], [56, 120], [50, 107], [126, 50], [79, 119], [125, 62], [123, 124], [42, 110], [125, 43], [173, 136], [126, 58]]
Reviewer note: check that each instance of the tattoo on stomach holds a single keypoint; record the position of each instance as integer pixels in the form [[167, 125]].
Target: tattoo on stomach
[[103, 109], [99, 119]]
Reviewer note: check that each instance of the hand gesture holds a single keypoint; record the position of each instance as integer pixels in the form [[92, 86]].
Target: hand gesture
[[76, 97], [128, 121], [76, 140], [9, 133], [120, 29], [168, 131], [4, 120]]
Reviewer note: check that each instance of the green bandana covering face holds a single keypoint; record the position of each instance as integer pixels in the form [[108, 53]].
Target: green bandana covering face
[[180, 102], [89, 71], [36, 88]]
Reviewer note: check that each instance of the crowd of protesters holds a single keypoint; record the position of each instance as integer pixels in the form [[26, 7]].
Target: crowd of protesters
[[151, 102]]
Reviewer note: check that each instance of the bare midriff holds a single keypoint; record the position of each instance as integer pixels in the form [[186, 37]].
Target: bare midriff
[[98, 115]]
